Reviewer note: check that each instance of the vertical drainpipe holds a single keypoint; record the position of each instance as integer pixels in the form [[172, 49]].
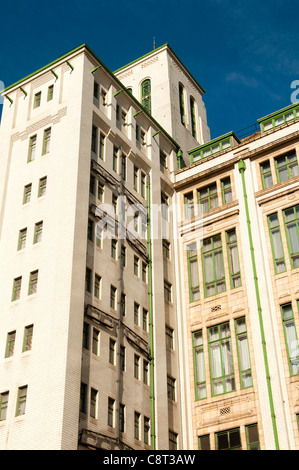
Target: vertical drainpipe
[[242, 168], [149, 243]]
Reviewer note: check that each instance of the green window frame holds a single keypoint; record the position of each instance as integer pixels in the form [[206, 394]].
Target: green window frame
[[3, 405], [193, 117], [276, 243], [221, 359], [146, 94], [46, 141], [204, 442], [28, 337], [291, 223], [213, 266], [42, 187], [38, 230], [189, 205], [182, 104], [16, 291], [207, 198], [278, 119], [21, 401], [27, 193], [10, 344], [286, 167], [266, 174], [243, 353], [193, 274], [50, 92], [37, 100], [229, 440], [233, 258], [199, 365], [32, 148], [226, 190], [33, 280], [291, 337], [22, 239], [252, 437]]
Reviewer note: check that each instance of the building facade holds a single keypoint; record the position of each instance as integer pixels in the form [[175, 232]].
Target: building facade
[[149, 294]]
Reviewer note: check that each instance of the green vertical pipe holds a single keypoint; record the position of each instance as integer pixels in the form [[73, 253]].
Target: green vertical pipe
[[242, 168], [149, 243]]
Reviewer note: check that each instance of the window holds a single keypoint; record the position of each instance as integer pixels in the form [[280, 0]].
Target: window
[[114, 203], [189, 205], [136, 265], [93, 403], [124, 167], [113, 248], [46, 141], [136, 366], [166, 249], [22, 239], [204, 442], [193, 117], [122, 358], [213, 267], [33, 282], [123, 304], [164, 206], [100, 192], [122, 417], [113, 291], [115, 159], [252, 437], [97, 286], [169, 337], [146, 430], [92, 181], [286, 167], [83, 397], [94, 139], [95, 342], [144, 272], [221, 359], [143, 185], [137, 425], [88, 280], [182, 104], [3, 405], [123, 256], [233, 258], [28, 336], [38, 230], [111, 405], [136, 313], [228, 440], [163, 159], [85, 335], [266, 174], [90, 230], [207, 198], [117, 112], [226, 189], [42, 186], [146, 94], [243, 353], [112, 345], [170, 388], [135, 178], [276, 244], [27, 193], [291, 221], [173, 441], [96, 90], [37, 99], [167, 291], [199, 366], [10, 344], [123, 117], [102, 146], [193, 272], [32, 149], [50, 92], [21, 401], [16, 292], [103, 97], [145, 372], [290, 338], [145, 319]]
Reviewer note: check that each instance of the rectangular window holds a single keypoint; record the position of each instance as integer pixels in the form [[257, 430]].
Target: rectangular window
[[137, 425], [146, 430], [208, 198], [252, 437], [93, 403], [166, 249], [169, 337], [21, 401], [290, 338], [123, 256], [113, 291], [83, 397], [94, 139], [3, 405], [199, 366], [136, 313], [171, 388], [123, 304], [136, 178], [22, 239], [193, 272], [189, 205], [85, 335], [102, 147], [136, 366], [111, 405], [92, 184], [213, 267], [32, 148], [221, 359], [38, 230], [97, 286], [37, 99], [113, 248], [46, 141], [143, 184], [27, 193], [122, 358], [144, 272], [28, 336], [42, 186], [167, 291], [123, 117], [33, 279], [276, 243], [291, 221], [145, 372], [173, 441], [100, 192], [204, 442], [16, 291], [266, 174], [145, 319], [88, 280], [95, 341], [164, 206], [10, 344], [124, 167], [50, 92], [226, 189], [286, 167], [103, 97], [243, 353], [162, 159], [136, 266], [228, 440], [233, 258], [115, 159], [122, 417], [96, 90], [112, 346], [90, 230]]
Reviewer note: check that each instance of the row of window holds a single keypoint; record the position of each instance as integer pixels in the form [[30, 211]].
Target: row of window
[[38, 97], [281, 168], [231, 439], [213, 265], [11, 341], [17, 284], [20, 405], [208, 197], [37, 235], [33, 145], [42, 187]]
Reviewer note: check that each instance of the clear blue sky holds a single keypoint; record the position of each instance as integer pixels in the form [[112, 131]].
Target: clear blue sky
[[243, 52]]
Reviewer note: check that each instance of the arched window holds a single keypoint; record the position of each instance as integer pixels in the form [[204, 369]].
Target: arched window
[[182, 104], [146, 94], [193, 117]]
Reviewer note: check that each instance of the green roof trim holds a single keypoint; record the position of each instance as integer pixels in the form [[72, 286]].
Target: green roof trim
[[280, 111], [214, 141], [213, 147], [175, 55]]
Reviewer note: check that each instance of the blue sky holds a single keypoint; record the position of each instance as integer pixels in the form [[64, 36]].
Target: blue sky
[[243, 53]]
